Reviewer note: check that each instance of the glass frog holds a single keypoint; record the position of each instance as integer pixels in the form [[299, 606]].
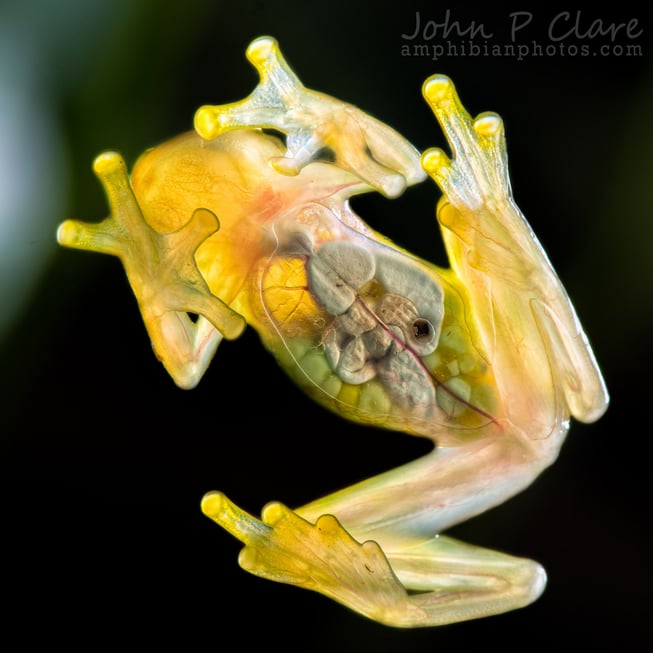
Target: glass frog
[[246, 221]]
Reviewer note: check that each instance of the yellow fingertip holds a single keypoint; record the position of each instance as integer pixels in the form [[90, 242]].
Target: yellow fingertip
[[273, 512], [247, 559], [218, 507], [328, 524], [209, 122], [261, 49], [488, 125], [434, 160], [213, 504], [437, 89], [67, 232], [107, 163]]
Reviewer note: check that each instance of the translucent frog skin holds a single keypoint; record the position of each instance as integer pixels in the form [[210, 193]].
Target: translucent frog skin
[[487, 359]]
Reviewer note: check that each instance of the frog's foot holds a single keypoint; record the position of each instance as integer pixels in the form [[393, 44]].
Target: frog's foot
[[322, 557], [313, 121], [477, 175], [162, 272]]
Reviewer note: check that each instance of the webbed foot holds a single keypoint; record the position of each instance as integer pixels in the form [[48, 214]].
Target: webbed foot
[[322, 557]]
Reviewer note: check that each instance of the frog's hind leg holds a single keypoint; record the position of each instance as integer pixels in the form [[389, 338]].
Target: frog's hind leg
[[430, 583]]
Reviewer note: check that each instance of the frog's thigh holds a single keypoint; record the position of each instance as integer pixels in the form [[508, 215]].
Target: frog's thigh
[[453, 581]]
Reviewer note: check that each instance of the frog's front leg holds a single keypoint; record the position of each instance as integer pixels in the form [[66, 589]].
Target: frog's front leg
[[163, 275], [449, 581], [313, 121]]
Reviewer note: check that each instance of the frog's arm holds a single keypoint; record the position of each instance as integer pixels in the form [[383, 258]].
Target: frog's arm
[[162, 273], [374, 546], [313, 121]]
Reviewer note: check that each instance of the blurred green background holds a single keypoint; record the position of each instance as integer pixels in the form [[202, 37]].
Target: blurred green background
[[103, 461]]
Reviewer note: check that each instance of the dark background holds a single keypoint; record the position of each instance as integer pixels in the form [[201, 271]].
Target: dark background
[[103, 461]]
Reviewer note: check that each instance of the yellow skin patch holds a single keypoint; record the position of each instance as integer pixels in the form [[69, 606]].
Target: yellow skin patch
[[235, 226]]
